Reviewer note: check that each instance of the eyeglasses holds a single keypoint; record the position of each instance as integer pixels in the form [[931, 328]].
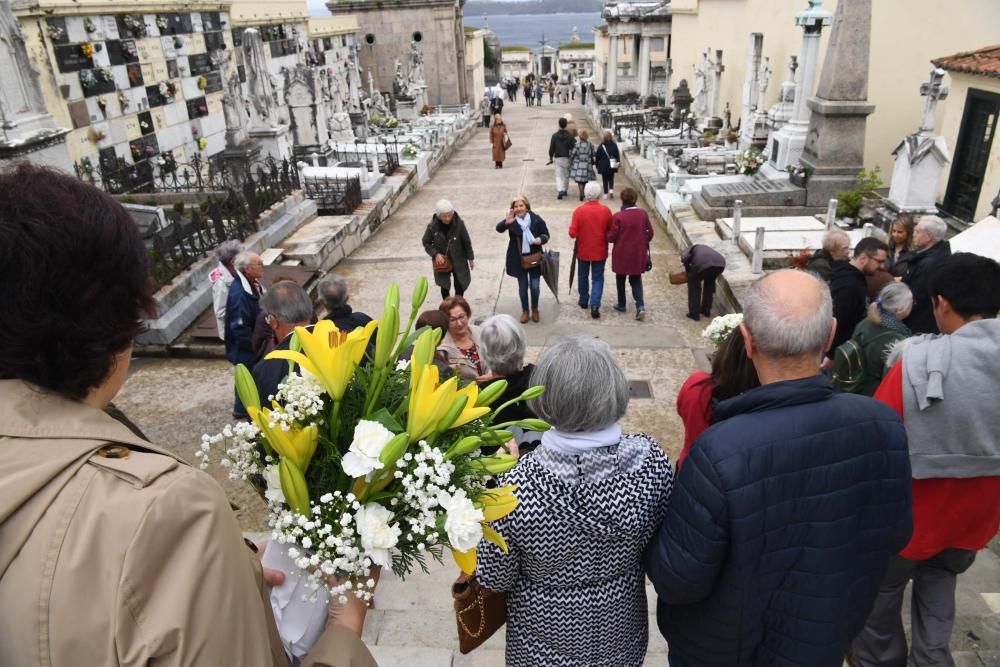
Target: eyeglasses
[[460, 318]]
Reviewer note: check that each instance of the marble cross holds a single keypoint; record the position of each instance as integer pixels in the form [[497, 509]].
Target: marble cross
[[934, 90]]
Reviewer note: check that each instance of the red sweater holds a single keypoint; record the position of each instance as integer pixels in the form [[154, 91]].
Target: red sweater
[[694, 405], [947, 513], [589, 227]]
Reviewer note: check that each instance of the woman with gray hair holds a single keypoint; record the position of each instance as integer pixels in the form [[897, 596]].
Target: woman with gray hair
[[589, 500], [502, 346], [877, 334], [221, 278], [447, 241]]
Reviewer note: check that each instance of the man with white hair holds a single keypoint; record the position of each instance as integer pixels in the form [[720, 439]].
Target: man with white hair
[[929, 249], [242, 307], [286, 306], [589, 226], [221, 278], [787, 508], [447, 241]]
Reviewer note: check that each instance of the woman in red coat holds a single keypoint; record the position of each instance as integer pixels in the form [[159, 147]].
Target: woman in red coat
[[631, 233]]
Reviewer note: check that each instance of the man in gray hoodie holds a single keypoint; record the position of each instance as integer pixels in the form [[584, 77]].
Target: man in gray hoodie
[[944, 388]]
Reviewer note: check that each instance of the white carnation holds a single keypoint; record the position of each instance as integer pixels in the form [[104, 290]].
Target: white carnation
[[463, 520], [370, 438], [378, 536], [272, 478]]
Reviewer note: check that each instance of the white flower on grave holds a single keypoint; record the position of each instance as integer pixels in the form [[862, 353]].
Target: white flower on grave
[[272, 479], [462, 523], [378, 536], [370, 438]]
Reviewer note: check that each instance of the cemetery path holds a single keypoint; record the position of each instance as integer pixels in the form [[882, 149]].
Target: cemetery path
[[175, 401]]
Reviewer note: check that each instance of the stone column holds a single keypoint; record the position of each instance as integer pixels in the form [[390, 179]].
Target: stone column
[[835, 138], [668, 71], [611, 84], [717, 69], [754, 48], [644, 66], [791, 139], [634, 53]]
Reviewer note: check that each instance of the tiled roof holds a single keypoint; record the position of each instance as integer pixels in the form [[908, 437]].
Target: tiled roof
[[984, 62]]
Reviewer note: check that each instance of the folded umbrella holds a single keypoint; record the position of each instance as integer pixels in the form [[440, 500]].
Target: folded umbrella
[[572, 267], [550, 271]]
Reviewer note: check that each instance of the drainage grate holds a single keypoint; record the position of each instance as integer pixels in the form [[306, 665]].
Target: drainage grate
[[640, 389]]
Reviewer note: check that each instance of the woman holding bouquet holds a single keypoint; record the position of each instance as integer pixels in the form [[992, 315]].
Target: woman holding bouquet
[[112, 551], [590, 497], [527, 234]]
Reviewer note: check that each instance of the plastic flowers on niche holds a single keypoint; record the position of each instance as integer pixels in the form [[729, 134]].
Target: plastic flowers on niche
[[368, 457]]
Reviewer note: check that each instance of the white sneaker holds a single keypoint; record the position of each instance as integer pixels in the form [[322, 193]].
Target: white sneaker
[[611, 194]]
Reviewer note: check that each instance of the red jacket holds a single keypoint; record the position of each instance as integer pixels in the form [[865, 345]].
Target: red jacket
[[631, 233], [947, 513], [694, 405], [589, 227]]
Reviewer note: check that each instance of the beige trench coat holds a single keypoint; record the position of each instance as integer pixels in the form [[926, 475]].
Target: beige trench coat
[[457, 359], [124, 561]]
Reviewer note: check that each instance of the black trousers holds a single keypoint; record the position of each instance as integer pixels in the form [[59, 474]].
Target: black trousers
[[636, 283], [445, 292], [701, 290], [609, 181]]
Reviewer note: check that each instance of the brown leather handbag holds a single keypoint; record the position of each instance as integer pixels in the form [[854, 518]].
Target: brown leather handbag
[[479, 612], [443, 266], [531, 260]]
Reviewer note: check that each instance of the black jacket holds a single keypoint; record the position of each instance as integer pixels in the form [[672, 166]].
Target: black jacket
[[781, 524], [496, 105], [538, 229], [561, 144], [921, 319], [821, 263], [850, 301], [269, 373], [603, 155]]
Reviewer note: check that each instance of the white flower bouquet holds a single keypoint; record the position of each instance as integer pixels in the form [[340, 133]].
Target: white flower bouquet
[[375, 462], [749, 161], [719, 328]]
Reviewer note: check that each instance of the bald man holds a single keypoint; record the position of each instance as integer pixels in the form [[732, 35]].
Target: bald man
[[787, 509]]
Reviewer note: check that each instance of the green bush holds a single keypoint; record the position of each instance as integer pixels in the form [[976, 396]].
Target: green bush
[[849, 201]]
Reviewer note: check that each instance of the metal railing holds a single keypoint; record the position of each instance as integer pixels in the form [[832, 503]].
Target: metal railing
[[383, 157], [333, 194]]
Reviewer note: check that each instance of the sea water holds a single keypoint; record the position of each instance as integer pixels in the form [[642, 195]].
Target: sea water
[[529, 29]]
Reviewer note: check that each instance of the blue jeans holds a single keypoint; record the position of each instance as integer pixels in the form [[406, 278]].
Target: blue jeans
[[597, 288], [531, 276]]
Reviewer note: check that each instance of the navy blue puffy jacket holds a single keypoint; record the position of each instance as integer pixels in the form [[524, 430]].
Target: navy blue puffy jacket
[[782, 520]]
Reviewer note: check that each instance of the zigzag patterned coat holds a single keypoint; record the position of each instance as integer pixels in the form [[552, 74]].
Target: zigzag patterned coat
[[573, 575]]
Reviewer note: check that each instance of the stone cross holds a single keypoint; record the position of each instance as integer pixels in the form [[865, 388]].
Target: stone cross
[[935, 91], [701, 85], [717, 69]]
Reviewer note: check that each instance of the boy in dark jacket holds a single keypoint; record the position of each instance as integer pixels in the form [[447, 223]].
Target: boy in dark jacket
[[788, 507]]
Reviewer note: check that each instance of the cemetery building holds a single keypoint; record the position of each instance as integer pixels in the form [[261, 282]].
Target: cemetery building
[[971, 116], [576, 60], [388, 30], [638, 47], [475, 63], [515, 62]]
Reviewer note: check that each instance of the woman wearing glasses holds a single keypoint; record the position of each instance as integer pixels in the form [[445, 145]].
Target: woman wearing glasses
[[461, 343]]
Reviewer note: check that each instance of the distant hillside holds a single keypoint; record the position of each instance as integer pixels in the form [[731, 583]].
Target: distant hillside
[[498, 7]]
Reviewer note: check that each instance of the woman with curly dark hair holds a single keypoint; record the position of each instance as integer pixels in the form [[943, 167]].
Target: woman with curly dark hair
[[112, 550]]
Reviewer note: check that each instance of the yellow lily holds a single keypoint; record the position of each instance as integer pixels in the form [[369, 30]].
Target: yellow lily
[[330, 355], [423, 354], [470, 412], [297, 445], [496, 504], [428, 402]]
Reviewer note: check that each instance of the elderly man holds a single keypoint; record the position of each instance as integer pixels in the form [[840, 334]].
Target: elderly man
[[589, 226], [930, 248], [836, 248], [222, 277], [560, 145], [788, 507], [286, 306], [332, 290], [850, 290], [944, 388], [242, 306]]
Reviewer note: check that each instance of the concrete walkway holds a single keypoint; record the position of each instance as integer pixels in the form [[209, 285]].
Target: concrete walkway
[[175, 401]]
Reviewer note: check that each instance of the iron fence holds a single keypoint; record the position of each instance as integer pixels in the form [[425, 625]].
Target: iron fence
[[383, 157], [333, 194]]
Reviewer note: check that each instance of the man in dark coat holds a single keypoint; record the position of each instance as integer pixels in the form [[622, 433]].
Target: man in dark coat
[[703, 265], [849, 288], [560, 146], [286, 306], [242, 308], [496, 105], [332, 289], [836, 248], [787, 509], [931, 248]]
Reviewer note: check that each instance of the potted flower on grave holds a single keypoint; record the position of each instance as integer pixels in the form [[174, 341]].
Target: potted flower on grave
[[410, 151], [798, 174], [88, 25], [162, 23], [202, 82], [178, 43], [56, 33], [371, 465], [87, 80], [202, 143], [102, 103], [105, 74], [123, 100], [87, 49]]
